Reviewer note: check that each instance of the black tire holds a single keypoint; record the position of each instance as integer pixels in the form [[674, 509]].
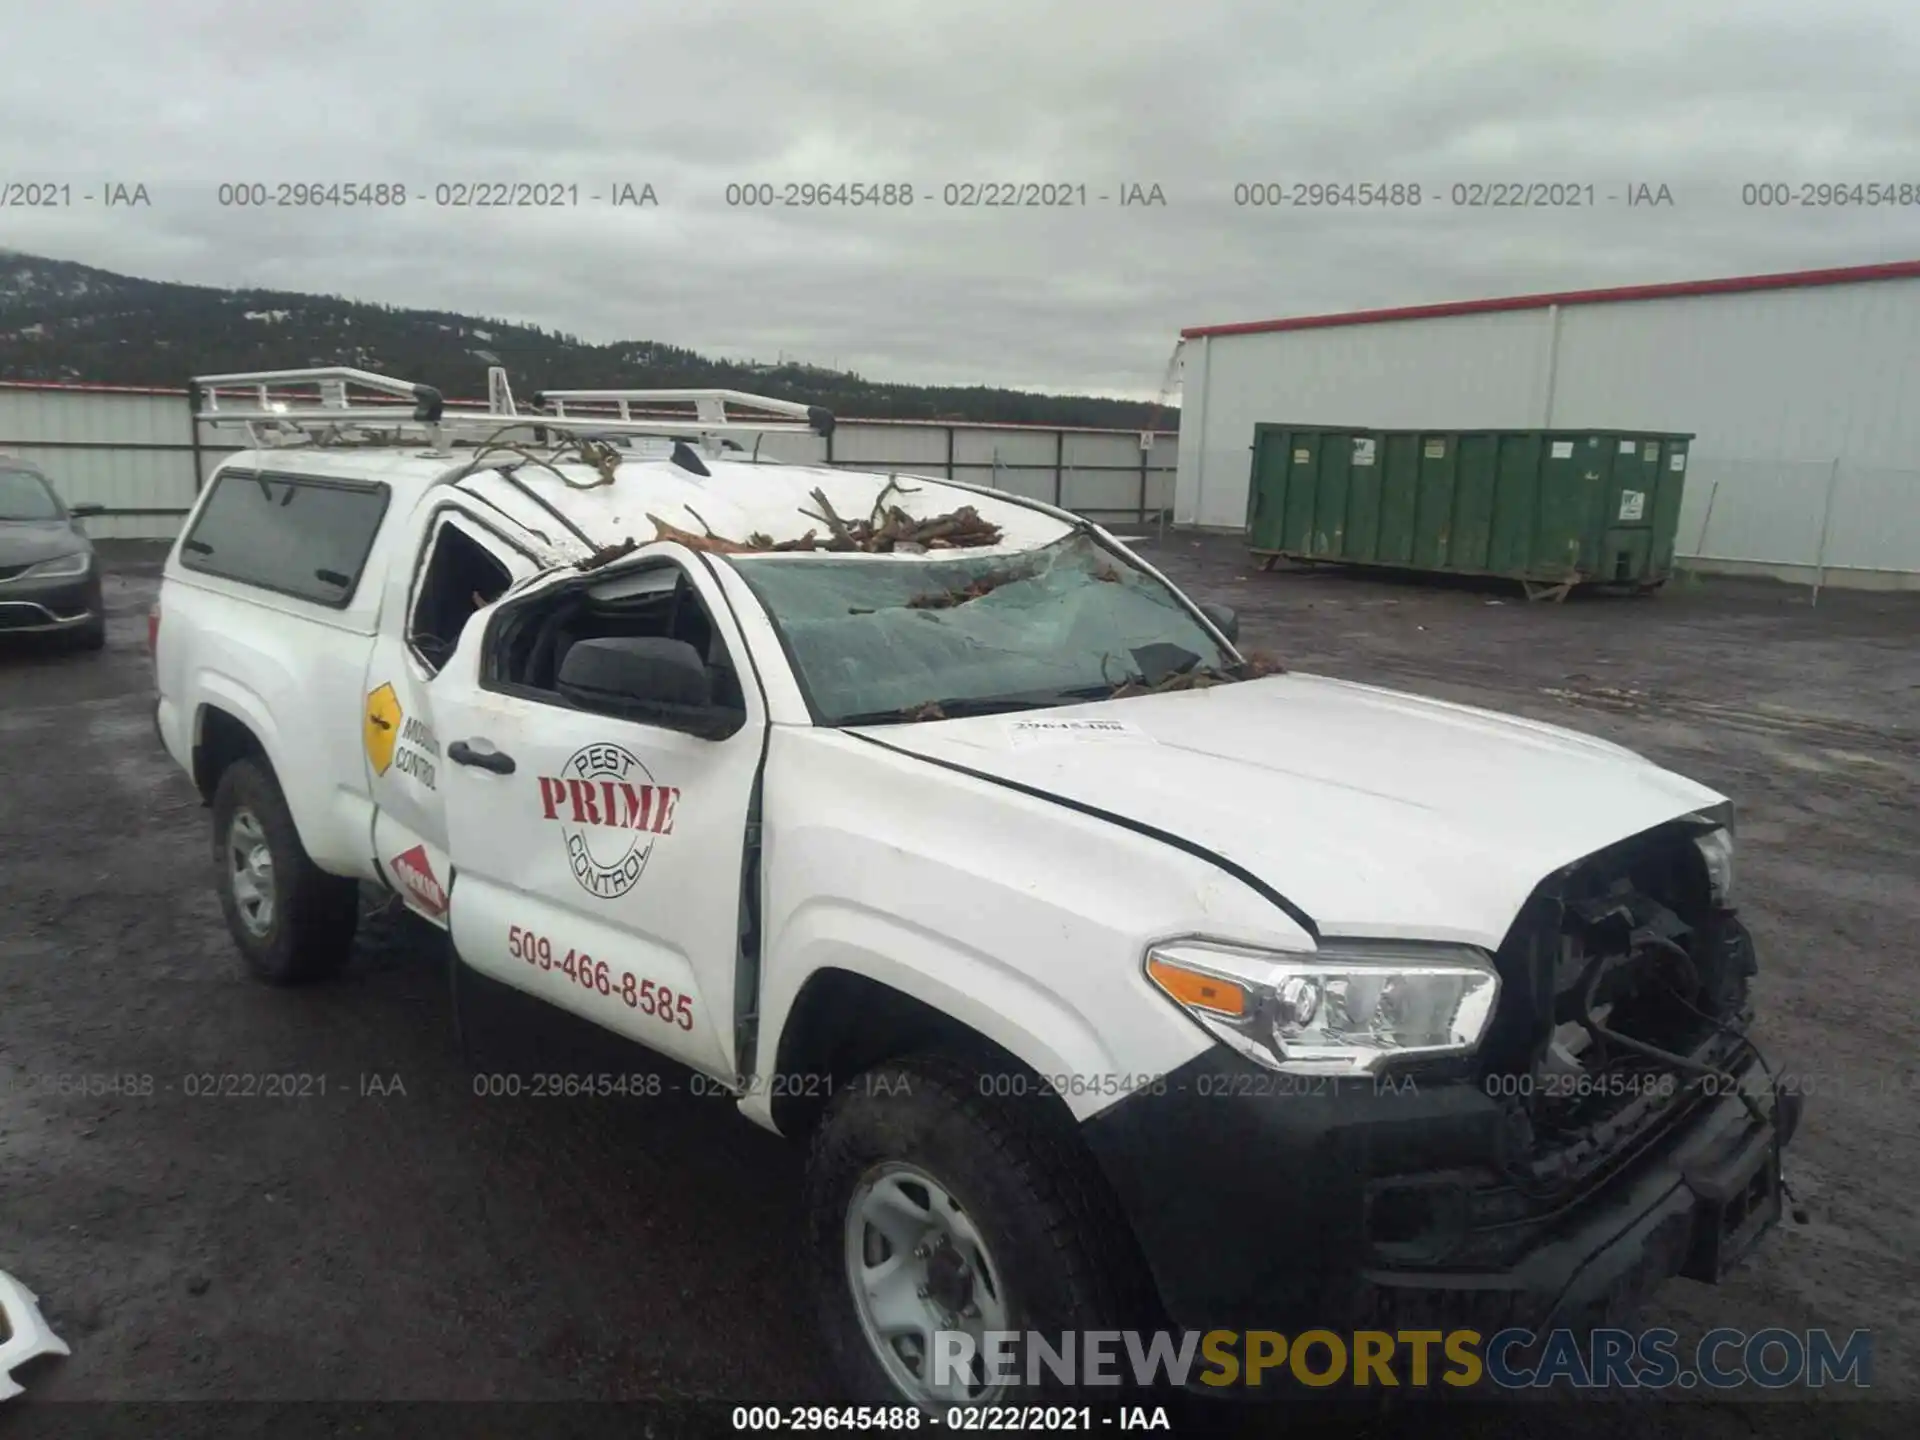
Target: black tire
[[1067, 1256], [310, 931]]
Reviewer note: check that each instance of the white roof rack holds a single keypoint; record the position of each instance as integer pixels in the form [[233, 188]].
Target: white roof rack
[[338, 403]]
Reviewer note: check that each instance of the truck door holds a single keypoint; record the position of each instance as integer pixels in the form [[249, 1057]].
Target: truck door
[[599, 858], [455, 566]]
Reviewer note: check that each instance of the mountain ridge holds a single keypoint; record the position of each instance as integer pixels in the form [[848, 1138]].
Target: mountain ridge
[[65, 322]]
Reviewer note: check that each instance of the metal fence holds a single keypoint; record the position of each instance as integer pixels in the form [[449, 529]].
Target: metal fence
[[1832, 522], [140, 454], [133, 451]]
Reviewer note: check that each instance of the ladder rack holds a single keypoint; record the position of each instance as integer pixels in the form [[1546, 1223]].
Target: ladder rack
[[339, 403]]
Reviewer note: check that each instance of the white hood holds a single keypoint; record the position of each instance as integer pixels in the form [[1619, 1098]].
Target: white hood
[[1376, 813]]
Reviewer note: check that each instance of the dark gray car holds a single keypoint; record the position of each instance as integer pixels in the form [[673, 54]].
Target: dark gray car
[[49, 575]]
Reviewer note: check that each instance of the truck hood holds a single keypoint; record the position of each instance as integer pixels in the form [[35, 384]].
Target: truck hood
[[1375, 813]]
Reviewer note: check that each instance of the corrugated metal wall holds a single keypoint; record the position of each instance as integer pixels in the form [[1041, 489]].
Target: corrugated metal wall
[[129, 451], [133, 452], [1778, 386], [1102, 474]]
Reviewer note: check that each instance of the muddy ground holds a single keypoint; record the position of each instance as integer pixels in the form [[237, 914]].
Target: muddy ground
[[411, 1241]]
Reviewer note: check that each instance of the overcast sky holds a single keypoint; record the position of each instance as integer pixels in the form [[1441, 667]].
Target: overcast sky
[[1197, 97]]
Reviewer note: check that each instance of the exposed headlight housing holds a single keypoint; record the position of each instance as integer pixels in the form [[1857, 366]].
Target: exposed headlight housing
[[59, 568], [1716, 848], [1348, 1008], [1714, 841]]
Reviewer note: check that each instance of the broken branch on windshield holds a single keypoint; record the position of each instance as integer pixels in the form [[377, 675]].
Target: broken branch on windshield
[[842, 537], [888, 528], [1195, 679], [880, 500], [607, 554], [715, 544], [1201, 677], [961, 594]]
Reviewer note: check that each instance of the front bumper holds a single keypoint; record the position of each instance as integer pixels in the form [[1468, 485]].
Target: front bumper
[[47, 606], [1270, 1202]]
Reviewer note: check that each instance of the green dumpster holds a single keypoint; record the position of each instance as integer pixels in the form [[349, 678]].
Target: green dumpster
[[1549, 508]]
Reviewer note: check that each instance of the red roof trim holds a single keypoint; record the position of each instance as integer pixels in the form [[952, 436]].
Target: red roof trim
[[1733, 285]]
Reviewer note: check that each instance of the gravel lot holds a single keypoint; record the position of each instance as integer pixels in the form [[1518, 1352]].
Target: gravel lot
[[400, 1239]]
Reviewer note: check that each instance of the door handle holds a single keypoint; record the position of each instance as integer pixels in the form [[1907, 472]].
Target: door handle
[[461, 753]]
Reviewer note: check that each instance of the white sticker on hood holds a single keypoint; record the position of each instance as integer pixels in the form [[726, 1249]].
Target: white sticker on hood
[[1022, 733]]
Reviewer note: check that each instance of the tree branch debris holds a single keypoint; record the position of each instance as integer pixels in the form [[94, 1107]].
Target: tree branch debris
[[886, 529], [1258, 663], [607, 554], [890, 528], [1195, 679], [973, 590]]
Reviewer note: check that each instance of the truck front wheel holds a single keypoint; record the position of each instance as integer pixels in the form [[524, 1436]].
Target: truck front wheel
[[292, 921], [937, 1213]]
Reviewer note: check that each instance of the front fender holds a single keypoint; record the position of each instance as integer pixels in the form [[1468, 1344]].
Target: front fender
[[1040, 1028], [1023, 920]]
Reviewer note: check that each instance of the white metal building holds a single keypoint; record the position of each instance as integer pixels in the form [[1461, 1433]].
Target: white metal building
[[1803, 390]]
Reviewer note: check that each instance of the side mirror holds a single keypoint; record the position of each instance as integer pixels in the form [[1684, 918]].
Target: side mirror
[[1224, 618], [82, 512], [644, 678]]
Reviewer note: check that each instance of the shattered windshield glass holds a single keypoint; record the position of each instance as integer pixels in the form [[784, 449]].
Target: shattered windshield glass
[[877, 640]]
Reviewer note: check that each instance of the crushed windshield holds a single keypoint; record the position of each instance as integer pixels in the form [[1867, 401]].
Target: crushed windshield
[[25, 496], [878, 640]]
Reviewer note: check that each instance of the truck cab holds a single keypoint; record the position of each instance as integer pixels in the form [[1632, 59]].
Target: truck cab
[[1114, 978]]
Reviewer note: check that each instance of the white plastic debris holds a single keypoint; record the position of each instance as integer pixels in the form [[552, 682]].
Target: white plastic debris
[[28, 1334]]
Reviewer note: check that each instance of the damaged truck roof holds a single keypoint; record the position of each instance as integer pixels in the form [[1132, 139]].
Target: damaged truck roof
[[742, 507]]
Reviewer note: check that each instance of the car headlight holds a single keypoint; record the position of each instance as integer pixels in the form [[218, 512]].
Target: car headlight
[[1348, 1008], [1713, 838], [77, 563]]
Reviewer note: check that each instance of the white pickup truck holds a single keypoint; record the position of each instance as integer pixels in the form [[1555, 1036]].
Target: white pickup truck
[[1115, 981]]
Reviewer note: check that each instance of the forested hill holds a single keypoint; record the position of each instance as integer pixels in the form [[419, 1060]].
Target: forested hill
[[67, 322]]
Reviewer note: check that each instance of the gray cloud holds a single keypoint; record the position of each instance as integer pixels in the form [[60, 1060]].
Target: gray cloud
[[1195, 98]]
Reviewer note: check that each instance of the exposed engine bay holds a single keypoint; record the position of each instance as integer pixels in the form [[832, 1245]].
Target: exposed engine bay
[[1627, 999]]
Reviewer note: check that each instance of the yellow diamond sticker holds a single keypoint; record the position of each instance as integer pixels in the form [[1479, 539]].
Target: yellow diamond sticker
[[382, 727]]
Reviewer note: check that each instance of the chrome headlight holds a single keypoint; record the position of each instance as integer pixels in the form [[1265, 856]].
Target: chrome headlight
[[77, 563], [1348, 1008]]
